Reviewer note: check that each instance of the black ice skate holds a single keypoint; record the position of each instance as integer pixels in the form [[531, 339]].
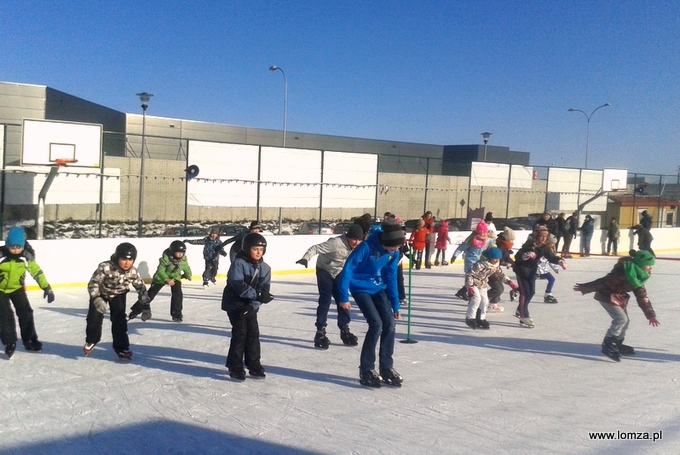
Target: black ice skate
[[472, 323], [462, 294], [370, 379], [9, 349], [391, 377], [610, 349], [483, 324], [33, 346], [125, 354], [514, 294], [321, 341], [624, 349], [177, 318], [238, 373], [348, 337], [549, 298], [257, 372]]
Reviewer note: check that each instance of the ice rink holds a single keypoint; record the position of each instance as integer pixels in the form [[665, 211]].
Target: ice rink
[[508, 390]]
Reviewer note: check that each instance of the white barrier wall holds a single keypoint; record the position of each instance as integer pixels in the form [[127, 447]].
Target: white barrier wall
[[71, 262]]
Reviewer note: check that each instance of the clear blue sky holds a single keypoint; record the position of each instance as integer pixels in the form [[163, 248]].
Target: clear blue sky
[[436, 72]]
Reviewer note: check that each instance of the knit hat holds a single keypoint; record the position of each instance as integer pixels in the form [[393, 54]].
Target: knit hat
[[392, 234], [16, 236], [489, 217], [482, 228], [552, 239], [642, 258], [508, 234], [541, 228], [255, 225], [355, 232], [445, 223], [215, 230], [493, 253]]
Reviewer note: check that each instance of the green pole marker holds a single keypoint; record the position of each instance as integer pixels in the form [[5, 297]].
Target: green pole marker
[[408, 314]]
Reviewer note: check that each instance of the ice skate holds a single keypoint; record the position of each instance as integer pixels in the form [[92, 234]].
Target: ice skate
[[125, 354], [483, 324], [205, 285], [610, 349], [213, 281], [526, 322], [33, 346], [391, 377], [133, 314], [177, 318], [494, 308], [321, 341], [624, 349], [472, 323], [436, 263], [549, 298], [238, 373], [87, 349], [9, 349], [370, 379], [348, 337], [462, 294], [514, 294], [445, 263], [257, 372]]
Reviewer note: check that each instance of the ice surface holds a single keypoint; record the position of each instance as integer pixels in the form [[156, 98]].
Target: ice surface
[[508, 390]]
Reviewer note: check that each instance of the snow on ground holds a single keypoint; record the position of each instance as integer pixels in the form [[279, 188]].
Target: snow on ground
[[509, 390]]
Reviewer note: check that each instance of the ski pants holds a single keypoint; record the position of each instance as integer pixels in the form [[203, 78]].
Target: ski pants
[[211, 266], [8, 329], [378, 312], [496, 289], [95, 320], [527, 289], [620, 320], [614, 243], [328, 291], [176, 298], [478, 301], [245, 338]]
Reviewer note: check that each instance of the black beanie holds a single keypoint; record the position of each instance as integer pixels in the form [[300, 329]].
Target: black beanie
[[392, 234], [355, 232]]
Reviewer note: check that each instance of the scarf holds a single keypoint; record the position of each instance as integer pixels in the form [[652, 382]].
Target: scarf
[[635, 275]]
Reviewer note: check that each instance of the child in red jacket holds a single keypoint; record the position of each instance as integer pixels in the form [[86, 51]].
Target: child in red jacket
[[418, 241], [442, 239]]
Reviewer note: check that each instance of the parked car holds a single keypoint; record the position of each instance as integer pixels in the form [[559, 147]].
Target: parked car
[[314, 228], [181, 231], [342, 228], [500, 223], [457, 224], [230, 230]]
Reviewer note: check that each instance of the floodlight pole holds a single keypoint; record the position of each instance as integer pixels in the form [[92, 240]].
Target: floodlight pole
[[588, 126], [144, 97], [285, 99]]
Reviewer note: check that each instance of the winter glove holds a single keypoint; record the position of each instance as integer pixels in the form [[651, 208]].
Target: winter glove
[[144, 298], [471, 291], [529, 256], [100, 305], [146, 312], [302, 262], [513, 286], [514, 294], [453, 259], [563, 265], [48, 294], [223, 253], [654, 322], [264, 297]]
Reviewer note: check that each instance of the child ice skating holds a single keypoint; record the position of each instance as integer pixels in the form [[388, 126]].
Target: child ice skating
[[418, 240], [248, 283], [476, 281], [15, 261], [473, 246], [172, 268], [628, 275], [543, 272], [108, 288], [442, 240], [504, 242], [212, 250], [370, 275]]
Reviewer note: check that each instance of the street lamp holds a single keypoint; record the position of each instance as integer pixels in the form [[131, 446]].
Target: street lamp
[[588, 128], [485, 135], [144, 97], [285, 99]]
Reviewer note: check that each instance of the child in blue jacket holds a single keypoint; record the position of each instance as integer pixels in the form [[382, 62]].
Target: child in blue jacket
[[370, 275]]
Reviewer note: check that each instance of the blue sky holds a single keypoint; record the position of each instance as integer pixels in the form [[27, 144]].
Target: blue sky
[[417, 71]]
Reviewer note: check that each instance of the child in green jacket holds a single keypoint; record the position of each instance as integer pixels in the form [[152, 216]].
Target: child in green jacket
[[15, 261], [173, 266]]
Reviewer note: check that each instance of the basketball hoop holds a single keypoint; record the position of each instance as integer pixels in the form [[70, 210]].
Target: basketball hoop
[[61, 162]]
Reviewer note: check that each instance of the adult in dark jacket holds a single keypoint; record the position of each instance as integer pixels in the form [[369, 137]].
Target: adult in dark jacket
[[547, 221], [644, 238], [572, 231], [646, 220], [587, 229], [629, 274], [562, 230]]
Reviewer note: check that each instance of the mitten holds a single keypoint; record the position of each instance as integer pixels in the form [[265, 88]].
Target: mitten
[[514, 294], [453, 258], [471, 291], [302, 262], [563, 265], [48, 294], [264, 297], [144, 298], [512, 285], [146, 312], [223, 253], [100, 305]]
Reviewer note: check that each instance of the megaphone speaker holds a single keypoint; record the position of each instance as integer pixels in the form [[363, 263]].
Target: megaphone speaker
[[192, 171]]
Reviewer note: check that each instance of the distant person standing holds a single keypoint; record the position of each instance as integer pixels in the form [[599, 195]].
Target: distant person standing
[[644, 238], [488, 219], [646, 220], [587, 229], [430, 239], [572, 231], [613, 234], [562, 229]]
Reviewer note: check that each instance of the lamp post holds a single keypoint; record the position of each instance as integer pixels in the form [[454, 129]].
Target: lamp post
[[485, 135], [588, 127], [144, 97], [285, 99]]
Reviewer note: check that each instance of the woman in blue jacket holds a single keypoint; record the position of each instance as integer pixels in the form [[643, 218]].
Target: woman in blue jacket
[[370, 275], [587, 229]]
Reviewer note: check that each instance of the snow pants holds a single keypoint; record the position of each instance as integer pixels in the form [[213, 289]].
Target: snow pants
[[95, 320], [245, 338], [8, 329]]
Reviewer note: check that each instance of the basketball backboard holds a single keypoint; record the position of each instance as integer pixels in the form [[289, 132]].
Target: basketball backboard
[[46, 141], [614, 179]]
